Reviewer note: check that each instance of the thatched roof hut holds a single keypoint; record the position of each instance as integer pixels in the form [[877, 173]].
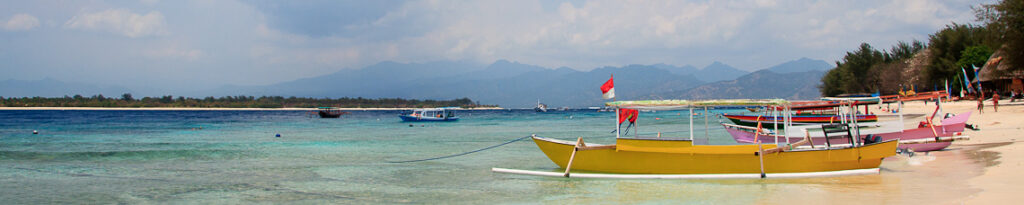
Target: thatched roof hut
[[998, 74]]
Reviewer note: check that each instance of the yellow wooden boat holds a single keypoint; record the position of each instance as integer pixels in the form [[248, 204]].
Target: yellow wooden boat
[[671, 156], [653, 156]]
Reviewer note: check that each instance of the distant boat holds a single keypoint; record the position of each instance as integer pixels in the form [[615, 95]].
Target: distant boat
[[330, 112], [541, 107], [430, 114]]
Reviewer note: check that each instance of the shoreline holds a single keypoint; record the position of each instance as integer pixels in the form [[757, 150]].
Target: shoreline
[[218, 109]]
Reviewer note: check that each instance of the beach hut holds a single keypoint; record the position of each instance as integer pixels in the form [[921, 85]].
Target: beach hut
[[996, 75]]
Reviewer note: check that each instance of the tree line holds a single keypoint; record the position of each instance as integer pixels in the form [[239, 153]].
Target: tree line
[[241, 101], [948, 52]]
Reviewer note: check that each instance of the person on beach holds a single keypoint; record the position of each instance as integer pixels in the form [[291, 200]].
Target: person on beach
[[981, 105], [995, 101]]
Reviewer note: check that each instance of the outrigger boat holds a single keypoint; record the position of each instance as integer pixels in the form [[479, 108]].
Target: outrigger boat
[[770, 121], [928, 136], [656, 157], [430, 115]]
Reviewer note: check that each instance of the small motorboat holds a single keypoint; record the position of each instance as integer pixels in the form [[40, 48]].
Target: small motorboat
[[443, 114]]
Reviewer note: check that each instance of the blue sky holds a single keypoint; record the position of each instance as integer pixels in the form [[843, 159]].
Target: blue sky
[[185, 44]]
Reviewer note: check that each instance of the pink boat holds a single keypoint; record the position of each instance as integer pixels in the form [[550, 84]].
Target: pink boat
[[949, 127]]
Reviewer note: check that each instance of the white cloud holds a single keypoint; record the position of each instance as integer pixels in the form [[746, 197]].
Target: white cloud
[[120, 21], [21, 22]]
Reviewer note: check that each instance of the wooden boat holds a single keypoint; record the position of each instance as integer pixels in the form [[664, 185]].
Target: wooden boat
[[676, 156], [941, 135], [681, 156], [770, 121], [330, 112], [444, 114], [926, 137]]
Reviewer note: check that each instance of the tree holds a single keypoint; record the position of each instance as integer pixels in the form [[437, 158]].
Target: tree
[[974, 56], [1006, 21], [127, 97], [947, 47]]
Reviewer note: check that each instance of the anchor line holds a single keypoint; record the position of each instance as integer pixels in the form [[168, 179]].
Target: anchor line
[[464, 153]]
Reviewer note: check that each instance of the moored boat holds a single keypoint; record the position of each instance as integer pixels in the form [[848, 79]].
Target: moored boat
[[430, 115], [541, 107], [770, 121], [330, 112], [679, 156], [948, 127]]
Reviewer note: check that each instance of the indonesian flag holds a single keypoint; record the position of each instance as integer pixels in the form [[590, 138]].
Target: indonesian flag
[[608, 89]]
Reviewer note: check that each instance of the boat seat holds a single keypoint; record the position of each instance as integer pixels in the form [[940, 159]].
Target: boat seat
[[838, 131]]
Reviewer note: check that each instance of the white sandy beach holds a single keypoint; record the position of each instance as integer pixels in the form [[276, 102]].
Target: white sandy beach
[[999, 181]]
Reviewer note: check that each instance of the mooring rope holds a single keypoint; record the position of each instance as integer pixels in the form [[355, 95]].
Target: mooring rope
[[464, 153]]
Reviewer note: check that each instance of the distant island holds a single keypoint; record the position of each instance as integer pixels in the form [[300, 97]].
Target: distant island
[[242, 101]]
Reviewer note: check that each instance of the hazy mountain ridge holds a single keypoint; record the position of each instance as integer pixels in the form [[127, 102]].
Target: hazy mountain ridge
[[761, 84], [511, 84]]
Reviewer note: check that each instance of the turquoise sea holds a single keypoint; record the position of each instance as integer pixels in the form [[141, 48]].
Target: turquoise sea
[[198, 157]]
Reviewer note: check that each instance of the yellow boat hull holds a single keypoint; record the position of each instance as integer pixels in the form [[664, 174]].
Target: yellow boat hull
[[662, 156]]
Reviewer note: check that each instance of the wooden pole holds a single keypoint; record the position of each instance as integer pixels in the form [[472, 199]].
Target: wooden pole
[[775, 125], [617, 126], [691, 124], [706, 124], [760, 157], [579, 143]]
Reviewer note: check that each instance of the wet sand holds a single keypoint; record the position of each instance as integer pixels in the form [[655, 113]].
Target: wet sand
[[982, 170]]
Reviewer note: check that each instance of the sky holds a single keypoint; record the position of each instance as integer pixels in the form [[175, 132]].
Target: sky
[[190, 45]]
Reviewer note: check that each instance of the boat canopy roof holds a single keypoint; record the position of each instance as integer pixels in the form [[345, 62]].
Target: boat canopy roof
[[858, 99], [680, 104]]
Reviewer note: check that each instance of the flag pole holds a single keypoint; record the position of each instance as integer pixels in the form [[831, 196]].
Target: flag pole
[[617, 126]]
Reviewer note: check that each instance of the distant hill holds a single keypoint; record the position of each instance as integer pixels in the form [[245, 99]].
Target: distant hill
[[719, 71], [760, 84], [801, 65]]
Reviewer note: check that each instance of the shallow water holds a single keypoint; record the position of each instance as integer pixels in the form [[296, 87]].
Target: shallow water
[[233, 156]]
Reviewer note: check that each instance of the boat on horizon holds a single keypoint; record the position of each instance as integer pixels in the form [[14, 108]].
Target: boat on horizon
[[541, 107], [443, 114]]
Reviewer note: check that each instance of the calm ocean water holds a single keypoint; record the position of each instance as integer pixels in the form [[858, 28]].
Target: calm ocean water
[[233, 157]]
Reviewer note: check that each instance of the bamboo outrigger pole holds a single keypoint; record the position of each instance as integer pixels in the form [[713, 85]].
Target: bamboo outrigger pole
[[579, 143]]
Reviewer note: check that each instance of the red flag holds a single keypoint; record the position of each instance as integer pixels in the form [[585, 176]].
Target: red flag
[[608, 89], [630, 114]]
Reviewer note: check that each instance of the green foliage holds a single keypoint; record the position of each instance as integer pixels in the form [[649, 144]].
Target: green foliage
[[947, 47], [232, 102], [1006, 20], [974, 56], [867, 70]]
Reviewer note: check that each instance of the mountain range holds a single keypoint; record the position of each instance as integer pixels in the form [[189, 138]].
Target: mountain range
[[515, 85]]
